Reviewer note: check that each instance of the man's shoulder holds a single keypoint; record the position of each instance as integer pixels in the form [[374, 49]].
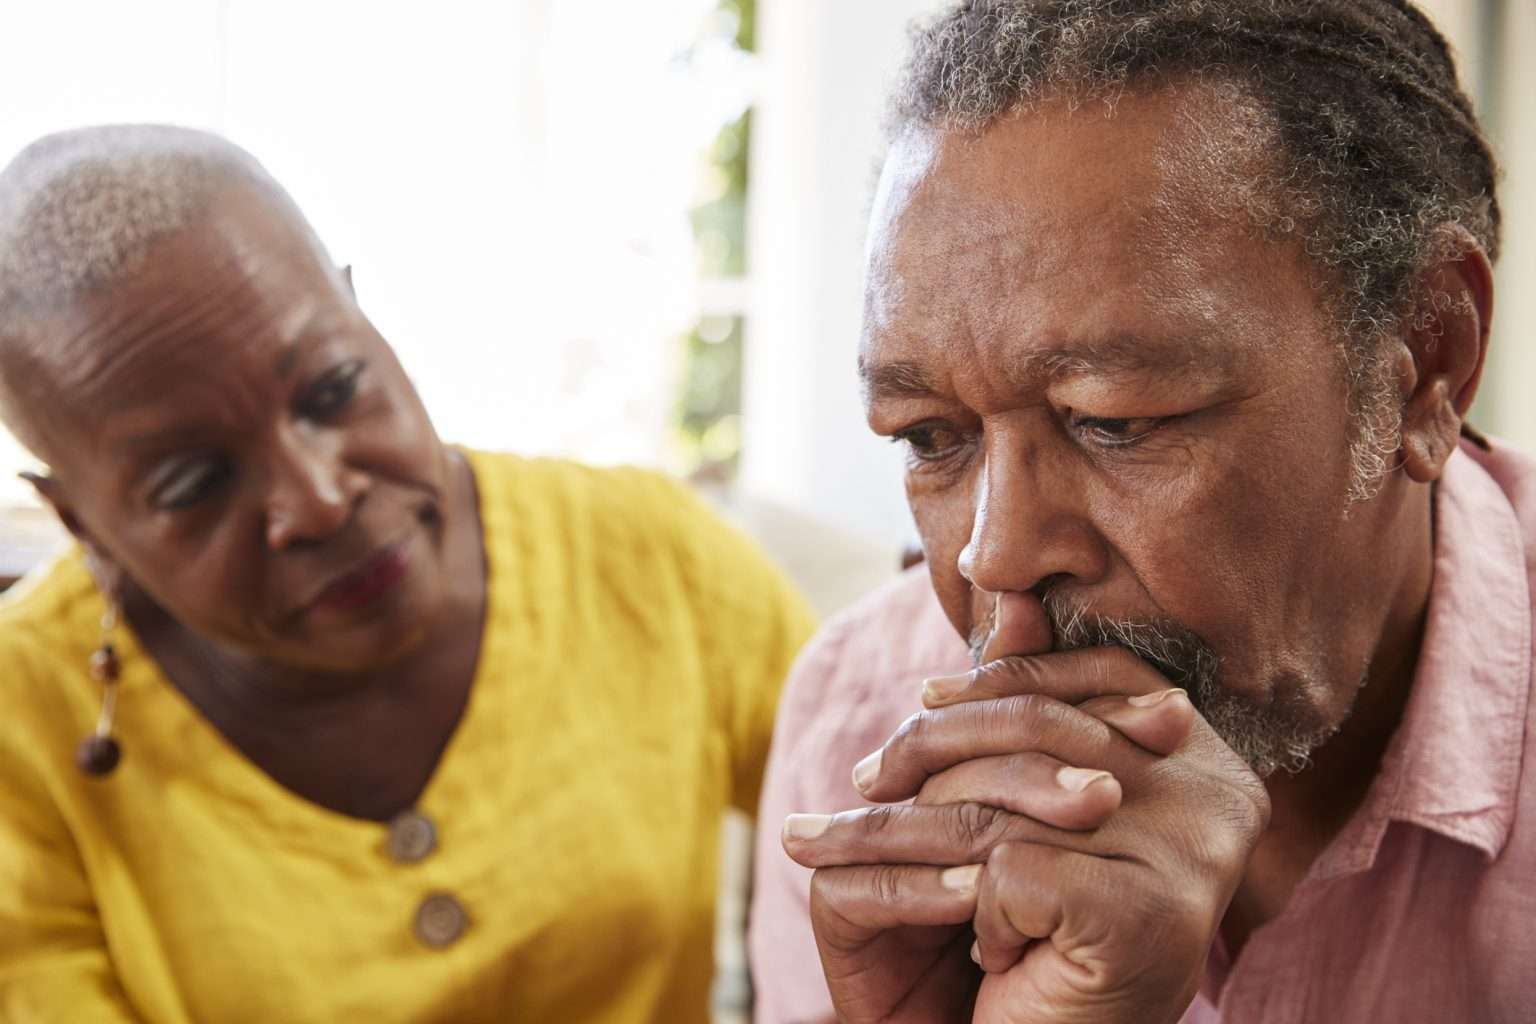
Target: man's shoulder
[[868, 662], [899, 626], [1513, 471]]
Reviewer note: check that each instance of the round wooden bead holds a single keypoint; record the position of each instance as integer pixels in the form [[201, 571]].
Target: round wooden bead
[[98, 755], [104, 664]]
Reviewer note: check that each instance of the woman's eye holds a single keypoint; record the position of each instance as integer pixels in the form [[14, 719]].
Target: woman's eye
[[331, 393], [929, 442], [1118, 431], [186, 483]]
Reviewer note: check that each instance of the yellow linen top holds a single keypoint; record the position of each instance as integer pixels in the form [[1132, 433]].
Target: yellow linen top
[[630, 668]]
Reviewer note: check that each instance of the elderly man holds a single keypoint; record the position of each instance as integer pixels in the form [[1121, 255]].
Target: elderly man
[[1178, 306]]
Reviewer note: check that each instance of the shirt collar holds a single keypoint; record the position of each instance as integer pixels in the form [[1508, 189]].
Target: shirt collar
[[1453, 766]]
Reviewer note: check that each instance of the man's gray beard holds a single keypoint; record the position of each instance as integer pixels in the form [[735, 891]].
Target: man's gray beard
[[1279, 735]]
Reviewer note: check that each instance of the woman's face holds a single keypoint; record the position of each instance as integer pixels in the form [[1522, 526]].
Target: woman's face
[[228, 430]]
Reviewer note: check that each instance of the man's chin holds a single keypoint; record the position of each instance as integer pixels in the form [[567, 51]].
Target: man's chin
[[1281, 735]]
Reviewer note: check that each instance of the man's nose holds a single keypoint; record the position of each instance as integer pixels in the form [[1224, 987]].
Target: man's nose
[[312, 492], [1028, 524]]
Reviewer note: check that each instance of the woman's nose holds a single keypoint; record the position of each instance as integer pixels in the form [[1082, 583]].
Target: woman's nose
[[312, 493]]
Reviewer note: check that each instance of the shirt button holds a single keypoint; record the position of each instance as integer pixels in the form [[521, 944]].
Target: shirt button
[[411, 837], [440, 920]]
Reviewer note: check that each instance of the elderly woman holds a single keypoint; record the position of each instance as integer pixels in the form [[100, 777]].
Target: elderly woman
[[324, 720]]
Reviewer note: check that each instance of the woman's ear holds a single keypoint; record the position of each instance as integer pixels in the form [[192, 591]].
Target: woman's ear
[[108, 574], [1447, 338], [48, 489]]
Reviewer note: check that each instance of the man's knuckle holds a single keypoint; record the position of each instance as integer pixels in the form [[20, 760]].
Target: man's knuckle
[[1234, 822], [825, 890], [876, 820], [1213, 849], [1006, 858], [993, 677], [1049, 724], [910, 735], [975, 827], [1258, 803], [1097, 706], [887, 883], [1025, 717], [1014, 675]]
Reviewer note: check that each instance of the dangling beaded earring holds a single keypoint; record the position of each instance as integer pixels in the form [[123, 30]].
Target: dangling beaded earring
[[100, 752]]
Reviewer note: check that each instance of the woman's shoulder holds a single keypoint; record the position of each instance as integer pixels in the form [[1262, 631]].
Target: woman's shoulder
[[49, 624], [53, 607], [615, 527]]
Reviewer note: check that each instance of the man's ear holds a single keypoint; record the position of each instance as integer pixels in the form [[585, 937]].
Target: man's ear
[[1447, 338], [109, 575]]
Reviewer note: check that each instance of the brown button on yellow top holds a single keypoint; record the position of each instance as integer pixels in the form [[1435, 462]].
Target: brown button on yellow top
[[411, 837], [440, 920]]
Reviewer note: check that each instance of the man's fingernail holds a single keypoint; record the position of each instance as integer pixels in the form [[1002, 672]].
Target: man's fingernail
[[1076, 780], [806, 826], [944, 687], [865, 772], [1152, 700], [961, 879]]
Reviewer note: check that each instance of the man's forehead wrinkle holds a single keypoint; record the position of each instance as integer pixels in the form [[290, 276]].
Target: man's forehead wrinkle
[[983, 267]]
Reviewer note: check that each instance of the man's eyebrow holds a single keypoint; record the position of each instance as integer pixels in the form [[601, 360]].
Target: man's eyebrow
[[894, 380], [1124, 354], [1109, 356]]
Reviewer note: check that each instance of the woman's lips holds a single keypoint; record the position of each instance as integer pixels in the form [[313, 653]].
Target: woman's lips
[[368, 582]]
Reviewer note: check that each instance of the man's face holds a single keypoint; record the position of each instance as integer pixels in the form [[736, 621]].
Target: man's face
[[229, 430], [1113, 395]]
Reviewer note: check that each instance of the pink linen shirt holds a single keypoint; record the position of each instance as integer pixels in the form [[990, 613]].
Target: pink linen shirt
[[1422, 909]]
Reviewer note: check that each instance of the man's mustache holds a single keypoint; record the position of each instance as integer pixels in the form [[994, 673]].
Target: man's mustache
[[1174, 649], [1278, 734]]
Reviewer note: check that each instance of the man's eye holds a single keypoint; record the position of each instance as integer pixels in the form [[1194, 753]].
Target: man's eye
[[187, 483], [929, 442], [1116, 432], [331, 393]]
